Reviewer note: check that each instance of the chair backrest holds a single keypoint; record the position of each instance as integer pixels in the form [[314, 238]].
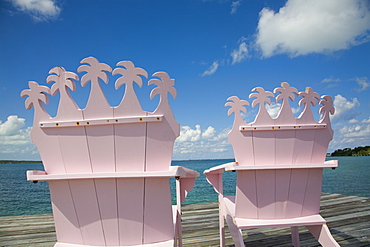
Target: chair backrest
[[282, 142], [102, 139]]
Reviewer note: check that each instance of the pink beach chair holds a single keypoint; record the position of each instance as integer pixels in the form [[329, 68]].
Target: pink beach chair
[[279, 164], [109, 168]]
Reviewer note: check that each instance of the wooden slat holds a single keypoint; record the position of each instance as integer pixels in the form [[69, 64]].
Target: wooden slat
[[348, 219]]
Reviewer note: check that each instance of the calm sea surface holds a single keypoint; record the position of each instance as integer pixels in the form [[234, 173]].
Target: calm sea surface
[[19, 197]]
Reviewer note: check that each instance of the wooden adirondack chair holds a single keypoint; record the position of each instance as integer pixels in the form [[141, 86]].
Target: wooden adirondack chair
[[109, 167], [279, 165]]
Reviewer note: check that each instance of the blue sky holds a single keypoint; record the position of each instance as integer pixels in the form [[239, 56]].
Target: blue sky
[[213, 50]]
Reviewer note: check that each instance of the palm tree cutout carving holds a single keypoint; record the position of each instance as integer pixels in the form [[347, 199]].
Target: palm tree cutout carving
[[286, 92], [309, 97], [326, 108], [262, 97], [95, 71], [164, 85], [237, 106], [63, 81], [130, 75], [36, 95]]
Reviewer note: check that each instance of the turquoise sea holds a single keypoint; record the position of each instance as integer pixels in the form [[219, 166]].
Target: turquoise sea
[[20, 197]]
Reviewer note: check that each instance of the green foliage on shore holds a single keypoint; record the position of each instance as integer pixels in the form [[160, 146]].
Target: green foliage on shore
[[357, 151], [18, 161]]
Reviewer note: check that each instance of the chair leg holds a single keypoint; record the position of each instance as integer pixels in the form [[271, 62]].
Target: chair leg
[[236, 233], [222, 230], [295, 236], [177, 226], [178, 242], [178, 214], [179, 231], [221, 218], [323, 235], [175, 243]]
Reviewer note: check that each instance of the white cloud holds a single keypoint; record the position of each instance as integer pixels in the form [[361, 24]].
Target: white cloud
[[15, 141], [202, 144], [240, 54], [331, 82], [40, 10], [330, 79], [353, 135], [234, 6], [318, 26], [366, 120], [209, 133], [273, 109], [362, 82], [193, 135], [11, 126], [189, 134], [350, 136], [212, 69], [223, 135], [345, 109], [13, 133]]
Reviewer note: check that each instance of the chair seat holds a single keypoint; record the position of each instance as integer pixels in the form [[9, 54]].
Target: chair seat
[[244, 223]]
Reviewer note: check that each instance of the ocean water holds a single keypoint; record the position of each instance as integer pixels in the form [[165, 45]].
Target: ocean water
[[20, 197]]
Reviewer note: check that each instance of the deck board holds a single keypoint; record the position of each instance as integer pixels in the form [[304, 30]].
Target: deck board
[[348, 218]]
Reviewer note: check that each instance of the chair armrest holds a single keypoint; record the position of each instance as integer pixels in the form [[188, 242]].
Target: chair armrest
[[185, 176], [184, 172], [327, 164], [186, 180], [220, 168], [214, 176], [172, 172]]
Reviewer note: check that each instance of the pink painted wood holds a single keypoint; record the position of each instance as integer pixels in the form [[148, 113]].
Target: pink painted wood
[[279, 163], [109, 167], [129, 138]]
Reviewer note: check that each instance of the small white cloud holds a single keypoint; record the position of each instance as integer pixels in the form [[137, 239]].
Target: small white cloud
[[345, 109], [219, 150], [362, 82], [357, 131], [223, 135], [353, 121], [40, 10], [212, 69], [330, 79], [200, 63], [208, 133], [302, 27], [331, 82], [349, 136], [273, 109], [234, 6], [240, 54], [366, 120]]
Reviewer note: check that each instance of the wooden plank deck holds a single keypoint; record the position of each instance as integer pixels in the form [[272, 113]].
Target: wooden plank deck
[[348, 218]]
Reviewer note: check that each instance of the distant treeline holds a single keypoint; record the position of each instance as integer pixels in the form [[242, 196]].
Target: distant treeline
[[18, 161], [358, 151]]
